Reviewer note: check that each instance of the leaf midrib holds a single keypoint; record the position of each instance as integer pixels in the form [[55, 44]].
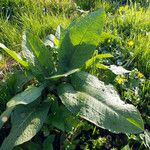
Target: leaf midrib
[[110, 108], [107, 106]]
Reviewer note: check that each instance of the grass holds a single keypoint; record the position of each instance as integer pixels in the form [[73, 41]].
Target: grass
[[41, 17], [130, 25]]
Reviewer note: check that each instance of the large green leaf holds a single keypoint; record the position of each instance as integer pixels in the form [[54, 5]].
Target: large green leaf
[[37, 54], [14, 55], [99, 104], [28, 96], [26, 122], [80, 40]]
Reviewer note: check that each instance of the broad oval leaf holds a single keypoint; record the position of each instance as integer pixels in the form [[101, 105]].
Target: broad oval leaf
[[28, 96], [80, 40], [99, 104], [26, 122]]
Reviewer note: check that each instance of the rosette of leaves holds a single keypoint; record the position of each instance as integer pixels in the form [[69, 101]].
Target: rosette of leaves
[[82, 93]]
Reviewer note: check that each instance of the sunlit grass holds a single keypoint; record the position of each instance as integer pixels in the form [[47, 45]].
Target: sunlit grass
[[130, 26]]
